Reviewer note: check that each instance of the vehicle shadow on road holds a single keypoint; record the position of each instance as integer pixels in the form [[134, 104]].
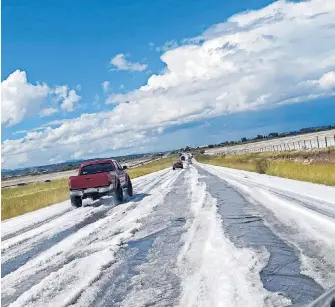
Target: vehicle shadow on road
[[136, 197]]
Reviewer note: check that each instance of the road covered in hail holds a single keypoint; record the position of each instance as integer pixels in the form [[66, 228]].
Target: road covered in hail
[[201, 236]]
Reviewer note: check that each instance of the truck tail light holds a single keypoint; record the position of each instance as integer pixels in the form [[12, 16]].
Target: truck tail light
[[110, 179]]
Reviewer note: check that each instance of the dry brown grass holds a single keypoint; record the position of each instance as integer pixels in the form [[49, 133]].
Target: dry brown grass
[[316, 173], [151, 167], [20, 200], [288, 165]]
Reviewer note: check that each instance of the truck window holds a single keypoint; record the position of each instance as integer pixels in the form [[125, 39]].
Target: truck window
[[97, 168], [118, 166]]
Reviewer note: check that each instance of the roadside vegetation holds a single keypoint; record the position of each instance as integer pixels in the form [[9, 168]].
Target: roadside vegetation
[[24, 199], [312, 166], [20, 200], [151, 167]]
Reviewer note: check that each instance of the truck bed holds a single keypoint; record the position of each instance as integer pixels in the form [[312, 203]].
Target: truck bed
[[89, 181]]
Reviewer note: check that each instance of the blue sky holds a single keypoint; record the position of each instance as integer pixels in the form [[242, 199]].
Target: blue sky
[[56, 55]]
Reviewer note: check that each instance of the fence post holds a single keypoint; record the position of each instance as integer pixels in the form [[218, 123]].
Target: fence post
[[310, 142], [317, 139], [326, 141], [305, 144]]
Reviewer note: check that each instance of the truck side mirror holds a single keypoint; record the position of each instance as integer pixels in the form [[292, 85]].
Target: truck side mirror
[[124, 167]]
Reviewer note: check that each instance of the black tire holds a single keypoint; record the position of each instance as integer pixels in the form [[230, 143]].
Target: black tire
[[76, 201], [173, 168], [130, 188], [119, 194]]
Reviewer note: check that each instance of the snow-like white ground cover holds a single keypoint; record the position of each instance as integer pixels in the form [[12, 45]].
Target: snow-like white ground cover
[[58, 256], [302, 213]]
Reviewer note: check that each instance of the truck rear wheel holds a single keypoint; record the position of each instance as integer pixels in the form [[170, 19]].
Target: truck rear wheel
[[119, 194], [129, 188], [76, 201]]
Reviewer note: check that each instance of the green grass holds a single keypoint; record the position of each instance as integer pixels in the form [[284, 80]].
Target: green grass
[[20, 200], [278, 164]]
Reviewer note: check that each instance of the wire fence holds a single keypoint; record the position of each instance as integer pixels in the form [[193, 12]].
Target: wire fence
[[277, 146]]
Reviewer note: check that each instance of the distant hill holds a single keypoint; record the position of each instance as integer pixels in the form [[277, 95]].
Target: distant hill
[[58, 167], [272, 135]]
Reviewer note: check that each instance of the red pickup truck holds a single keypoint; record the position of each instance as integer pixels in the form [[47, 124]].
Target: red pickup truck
[[99, 178]]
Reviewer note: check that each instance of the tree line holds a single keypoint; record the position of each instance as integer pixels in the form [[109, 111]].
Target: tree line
[[261, 137]]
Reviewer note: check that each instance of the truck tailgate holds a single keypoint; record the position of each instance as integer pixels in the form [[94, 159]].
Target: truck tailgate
[[89, 181]]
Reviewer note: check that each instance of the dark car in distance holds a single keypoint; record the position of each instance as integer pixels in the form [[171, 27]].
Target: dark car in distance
[[177, 164]]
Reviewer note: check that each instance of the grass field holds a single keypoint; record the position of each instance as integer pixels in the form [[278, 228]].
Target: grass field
[[151, 167], [301, 166], [20, 200]]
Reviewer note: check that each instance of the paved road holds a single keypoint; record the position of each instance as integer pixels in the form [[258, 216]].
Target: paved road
[[202, 236]]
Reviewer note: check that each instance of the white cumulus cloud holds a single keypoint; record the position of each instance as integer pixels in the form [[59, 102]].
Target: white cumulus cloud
[[70, 101], [283, 53], [68, 97], [121, 63], [21, 99], [105, 86], [328, 80], [48, 112]]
